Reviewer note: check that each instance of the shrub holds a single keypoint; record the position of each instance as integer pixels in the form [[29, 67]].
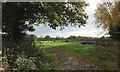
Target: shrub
[[24, 56], [24, 63]]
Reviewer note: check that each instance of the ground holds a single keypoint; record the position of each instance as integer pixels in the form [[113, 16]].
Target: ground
[[65, 60]]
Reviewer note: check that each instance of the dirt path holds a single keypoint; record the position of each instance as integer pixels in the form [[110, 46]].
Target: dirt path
[[65, 60]]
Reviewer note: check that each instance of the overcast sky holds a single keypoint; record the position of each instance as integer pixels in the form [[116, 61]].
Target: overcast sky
[[90, 29]]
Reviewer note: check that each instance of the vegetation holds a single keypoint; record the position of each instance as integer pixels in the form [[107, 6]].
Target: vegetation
[[26, 57], [107, 16], [27, 52], [18, 51], [15, 25], [104, 57]]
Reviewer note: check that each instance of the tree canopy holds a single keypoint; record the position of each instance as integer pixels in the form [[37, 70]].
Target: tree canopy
[[19, 17], [107, 17]]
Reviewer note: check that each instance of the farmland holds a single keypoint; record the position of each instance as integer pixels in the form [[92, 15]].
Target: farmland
[[103, 57]]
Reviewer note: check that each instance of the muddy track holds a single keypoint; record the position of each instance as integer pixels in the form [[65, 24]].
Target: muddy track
[[65, 60]]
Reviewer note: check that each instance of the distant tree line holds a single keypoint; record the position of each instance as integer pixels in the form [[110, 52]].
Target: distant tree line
[[77, 38]]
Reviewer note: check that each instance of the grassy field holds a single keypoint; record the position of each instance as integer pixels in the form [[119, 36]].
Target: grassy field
[[104, 57]]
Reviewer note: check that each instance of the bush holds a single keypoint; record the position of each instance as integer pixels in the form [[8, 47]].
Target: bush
[[24, 56]]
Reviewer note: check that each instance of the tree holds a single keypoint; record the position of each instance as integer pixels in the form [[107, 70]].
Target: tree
[[33, 37], [72, 37], [108, 17], [47, 37], [20, 17], [57, 37]]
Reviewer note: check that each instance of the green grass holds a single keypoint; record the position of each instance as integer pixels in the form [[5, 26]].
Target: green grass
[[47, 59], [104, 57], [54, 44]]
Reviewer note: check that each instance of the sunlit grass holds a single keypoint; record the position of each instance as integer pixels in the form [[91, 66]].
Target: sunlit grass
[[55, 44]]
